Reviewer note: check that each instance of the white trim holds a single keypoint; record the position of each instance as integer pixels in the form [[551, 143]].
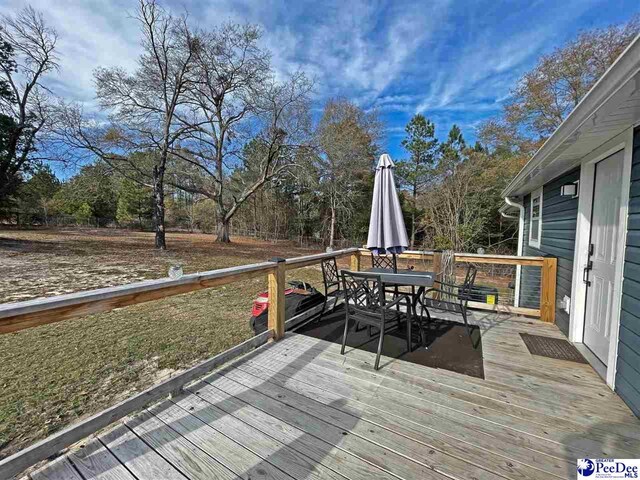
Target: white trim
[[580, 253], [624, 141], [520, 207], [535, 194], [622, 247]]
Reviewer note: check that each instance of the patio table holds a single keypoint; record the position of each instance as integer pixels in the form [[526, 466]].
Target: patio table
[[418, 280], [406, 278]]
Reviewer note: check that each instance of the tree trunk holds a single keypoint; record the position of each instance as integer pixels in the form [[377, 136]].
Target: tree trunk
[[301, 218], [158, 208], [413, 215], [255, 216], [223, 235], [223, 221], [413, 227], [333, 227]]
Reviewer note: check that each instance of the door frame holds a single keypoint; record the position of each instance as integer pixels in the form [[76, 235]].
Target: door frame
[[623, 142]]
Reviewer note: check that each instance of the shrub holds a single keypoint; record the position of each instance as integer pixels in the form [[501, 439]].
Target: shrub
[[83, 214], [204, 215]]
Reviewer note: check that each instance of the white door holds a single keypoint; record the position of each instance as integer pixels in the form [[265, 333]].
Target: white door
[[601, 271]]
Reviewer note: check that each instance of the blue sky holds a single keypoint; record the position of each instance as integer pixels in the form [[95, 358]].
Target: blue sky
[[455, 62]]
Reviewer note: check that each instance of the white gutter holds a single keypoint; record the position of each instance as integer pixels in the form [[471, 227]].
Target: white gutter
[[520, 207], [512, 203], [506, 215]]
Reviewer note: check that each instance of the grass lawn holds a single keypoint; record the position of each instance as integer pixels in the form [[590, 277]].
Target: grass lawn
[[55, 374]]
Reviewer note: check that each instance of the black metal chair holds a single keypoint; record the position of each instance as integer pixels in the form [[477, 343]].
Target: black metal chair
[[331, 280], [366, 304], [388, 262], [450, 298]]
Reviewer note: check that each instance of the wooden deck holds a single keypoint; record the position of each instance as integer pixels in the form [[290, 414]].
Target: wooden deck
[[297, 409]]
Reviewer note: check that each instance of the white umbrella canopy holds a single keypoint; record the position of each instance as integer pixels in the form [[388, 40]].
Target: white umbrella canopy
[[387, 233]]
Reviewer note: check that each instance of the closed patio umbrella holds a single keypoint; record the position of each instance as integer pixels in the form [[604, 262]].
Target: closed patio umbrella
[[387, 233]]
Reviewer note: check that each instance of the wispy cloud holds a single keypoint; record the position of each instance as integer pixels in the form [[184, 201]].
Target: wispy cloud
[[91, 34], [356, 49], [453, 61], [488, 66]]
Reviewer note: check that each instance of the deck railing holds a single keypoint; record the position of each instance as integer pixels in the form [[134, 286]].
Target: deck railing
[[533, 289], [22, 315], [32, 313]]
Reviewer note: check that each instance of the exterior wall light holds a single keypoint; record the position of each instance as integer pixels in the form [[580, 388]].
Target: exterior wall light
[[570, 189]]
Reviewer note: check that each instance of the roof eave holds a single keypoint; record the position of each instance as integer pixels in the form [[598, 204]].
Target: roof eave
[[624, 68]]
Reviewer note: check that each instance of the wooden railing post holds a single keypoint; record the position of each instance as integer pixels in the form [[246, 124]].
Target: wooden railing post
[[276, 315], [437, 270], [548, 289], [355, 262]]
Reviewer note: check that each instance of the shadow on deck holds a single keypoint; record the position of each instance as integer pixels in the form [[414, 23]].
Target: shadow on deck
[[448, 345], [297, 409]]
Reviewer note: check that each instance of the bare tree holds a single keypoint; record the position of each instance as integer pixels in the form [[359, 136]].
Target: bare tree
[[453, 215], [347, 140], [545, 95], [245, 126], [144, 105], [27, 55]]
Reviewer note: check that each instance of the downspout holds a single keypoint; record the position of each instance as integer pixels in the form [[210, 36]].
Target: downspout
[[520, 207]]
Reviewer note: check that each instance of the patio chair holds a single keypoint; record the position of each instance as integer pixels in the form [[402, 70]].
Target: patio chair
[[366, 304], [388, 262], [331, 281], [448, 297]]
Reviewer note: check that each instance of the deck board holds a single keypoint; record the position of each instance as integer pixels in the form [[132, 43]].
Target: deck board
[[138, 457], [231, 459], [57, 470], [320, 451], [426, 455], [297, 409], [96, 462], [426, 433], [441, 419], [267, 448], [369, 451]]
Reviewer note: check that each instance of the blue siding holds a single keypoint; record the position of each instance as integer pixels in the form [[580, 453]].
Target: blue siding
[[628, 366], [559, 220]]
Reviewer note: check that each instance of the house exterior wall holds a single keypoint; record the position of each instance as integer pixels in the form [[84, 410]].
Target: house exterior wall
[[559, 219], [628, 364]]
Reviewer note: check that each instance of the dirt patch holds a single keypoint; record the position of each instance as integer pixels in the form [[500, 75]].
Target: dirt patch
[[47, 262], [55, 374]]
